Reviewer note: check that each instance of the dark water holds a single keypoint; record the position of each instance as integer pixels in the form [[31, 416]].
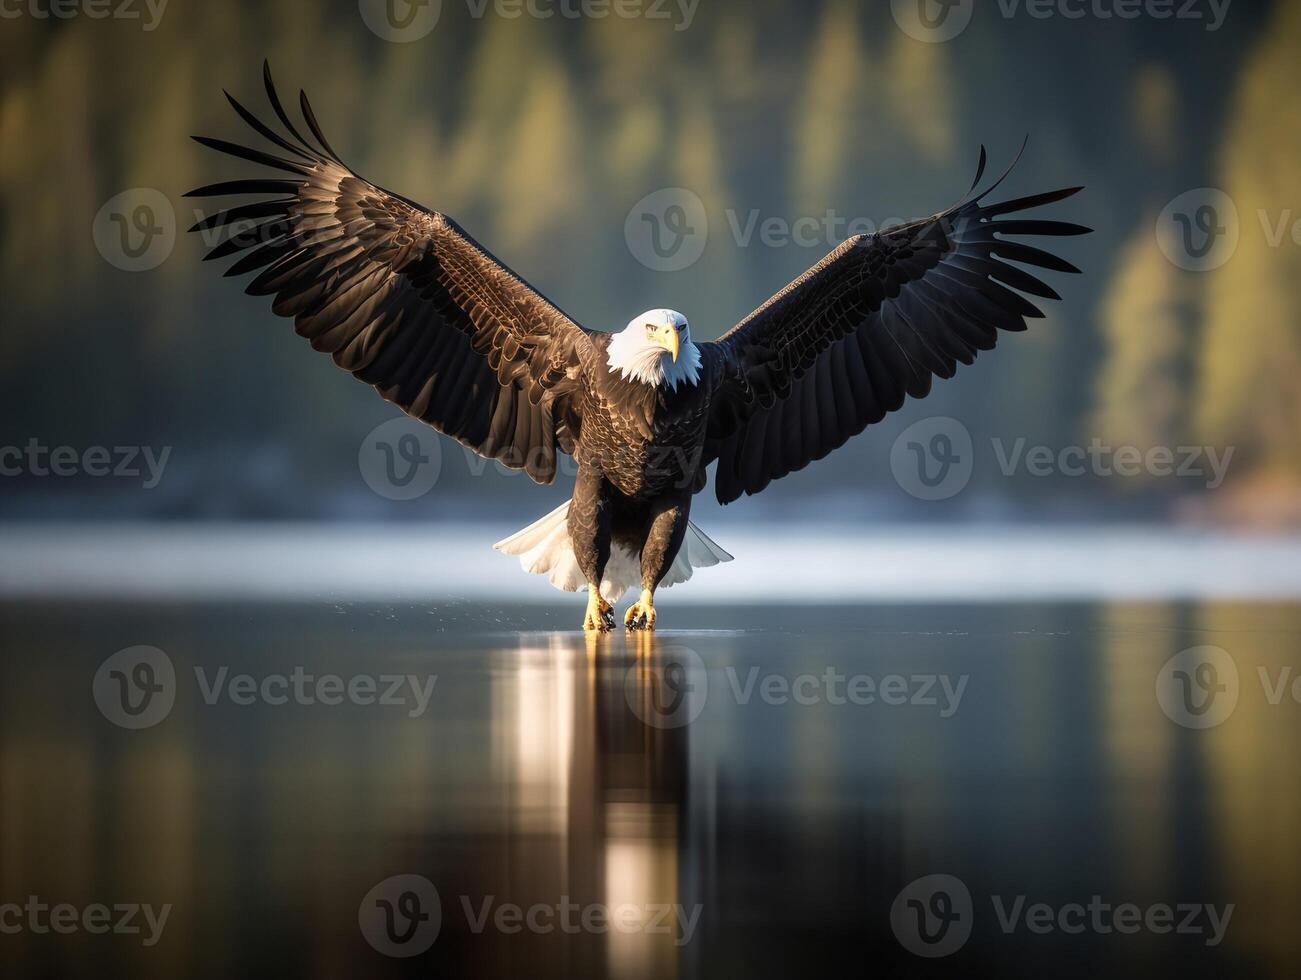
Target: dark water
[[748, 794]]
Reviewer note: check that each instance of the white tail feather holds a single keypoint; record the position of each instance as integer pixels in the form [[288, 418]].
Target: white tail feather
[[544, 548]]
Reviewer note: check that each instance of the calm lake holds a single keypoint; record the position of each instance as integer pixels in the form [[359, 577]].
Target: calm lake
[[217, 789]]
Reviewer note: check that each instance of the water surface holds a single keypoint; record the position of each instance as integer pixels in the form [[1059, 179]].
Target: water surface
[[749, 793]]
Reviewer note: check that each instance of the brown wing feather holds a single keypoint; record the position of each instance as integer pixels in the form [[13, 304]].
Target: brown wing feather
[[403, 298], [870, 325]]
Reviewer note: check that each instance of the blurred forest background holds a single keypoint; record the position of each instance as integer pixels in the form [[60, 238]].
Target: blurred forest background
[[540, 135]]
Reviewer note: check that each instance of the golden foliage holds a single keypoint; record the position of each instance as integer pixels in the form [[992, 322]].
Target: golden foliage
[[1249, 391], [1145, 323]]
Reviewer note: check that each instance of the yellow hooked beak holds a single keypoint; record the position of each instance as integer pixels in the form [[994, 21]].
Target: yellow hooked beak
[[668, 339]]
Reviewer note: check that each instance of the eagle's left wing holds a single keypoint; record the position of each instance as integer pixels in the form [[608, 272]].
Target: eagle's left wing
[[402, 297], [872, 323]]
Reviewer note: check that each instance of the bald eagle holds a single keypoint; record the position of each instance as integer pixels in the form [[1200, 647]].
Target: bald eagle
[[406, 300]]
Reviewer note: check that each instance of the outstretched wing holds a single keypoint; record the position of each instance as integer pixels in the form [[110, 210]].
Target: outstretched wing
[[402, 297], [872, 323]]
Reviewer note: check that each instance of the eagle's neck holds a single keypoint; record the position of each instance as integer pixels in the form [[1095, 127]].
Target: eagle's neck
[[630, 356]]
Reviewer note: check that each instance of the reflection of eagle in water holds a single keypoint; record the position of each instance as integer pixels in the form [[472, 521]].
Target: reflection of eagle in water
[[407, 301]]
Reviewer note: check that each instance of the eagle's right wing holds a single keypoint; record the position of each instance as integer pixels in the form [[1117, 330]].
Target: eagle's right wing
[[872, 323], [403, 298]]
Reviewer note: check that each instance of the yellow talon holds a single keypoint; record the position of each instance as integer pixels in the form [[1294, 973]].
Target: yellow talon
[[641, 614], [600, 614]]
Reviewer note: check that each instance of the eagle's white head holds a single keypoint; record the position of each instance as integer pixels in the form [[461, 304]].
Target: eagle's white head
[[656, 349]]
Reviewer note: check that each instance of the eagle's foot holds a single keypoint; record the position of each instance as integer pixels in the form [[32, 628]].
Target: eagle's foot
[[600, 614], [641, 614]]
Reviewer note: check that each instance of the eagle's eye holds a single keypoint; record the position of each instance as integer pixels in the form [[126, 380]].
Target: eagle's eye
[[650, 330]]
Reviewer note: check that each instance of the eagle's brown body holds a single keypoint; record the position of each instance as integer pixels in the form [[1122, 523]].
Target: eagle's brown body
[[404, 299], [645, 441], [640, 461]]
